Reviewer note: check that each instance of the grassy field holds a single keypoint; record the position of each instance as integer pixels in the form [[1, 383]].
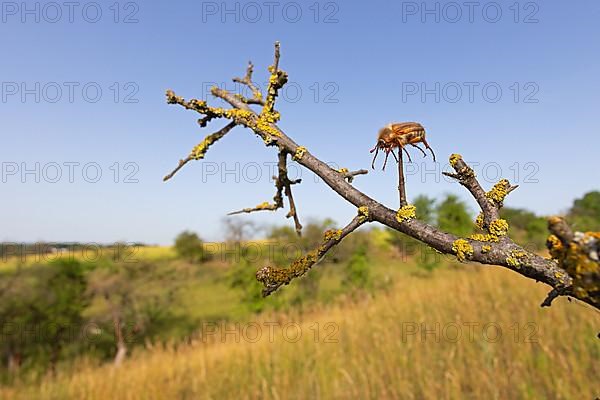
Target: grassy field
[[461, 333]]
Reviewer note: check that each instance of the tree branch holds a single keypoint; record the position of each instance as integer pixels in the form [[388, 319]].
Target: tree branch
[[274, 278], [492, 248]]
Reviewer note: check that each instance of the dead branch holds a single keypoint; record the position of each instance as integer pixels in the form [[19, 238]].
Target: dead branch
[[570, 251]]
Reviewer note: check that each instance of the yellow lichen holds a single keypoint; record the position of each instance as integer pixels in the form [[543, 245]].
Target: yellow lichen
[[581, 260], [516, 259], [486, 248], [335, 234], [498, 227], [462, 249], [555, 246], [480, 237], [299, 153], [406, 213], [454, 159], [264, 206], [479, 221], [363, 213], [498, 192]]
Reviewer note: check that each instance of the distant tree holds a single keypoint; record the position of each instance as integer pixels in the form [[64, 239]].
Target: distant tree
[[356, 274], [64, 300], [453, 216], [133, 301], [189, 246], [43, 311], [585, 213], [526, 226], [242, 277], [425, 208], [238, 230]]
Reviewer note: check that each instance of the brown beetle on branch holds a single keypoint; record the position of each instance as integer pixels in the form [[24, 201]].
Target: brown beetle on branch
[[399, 135]]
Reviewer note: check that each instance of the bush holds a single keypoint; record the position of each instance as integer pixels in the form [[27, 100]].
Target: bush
[[189, 246]]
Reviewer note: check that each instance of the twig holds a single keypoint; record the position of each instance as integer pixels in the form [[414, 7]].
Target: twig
[[247, 80], [287, 184], [401, 185], [350, 175], [274, 278], [283, 184], [200, 150]]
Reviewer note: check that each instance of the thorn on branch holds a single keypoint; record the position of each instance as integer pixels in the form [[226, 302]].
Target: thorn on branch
[[273, 278], [349, 175]]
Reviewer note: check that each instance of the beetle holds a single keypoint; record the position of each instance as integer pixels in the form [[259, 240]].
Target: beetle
[[398, 135]]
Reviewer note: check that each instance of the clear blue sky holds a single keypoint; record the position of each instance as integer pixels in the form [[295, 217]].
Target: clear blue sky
[[357, 65]]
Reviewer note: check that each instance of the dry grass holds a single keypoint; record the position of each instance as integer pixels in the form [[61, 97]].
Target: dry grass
[[375, 356]]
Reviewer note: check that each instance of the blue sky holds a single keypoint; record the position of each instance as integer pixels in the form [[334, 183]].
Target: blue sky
[[511, 86]]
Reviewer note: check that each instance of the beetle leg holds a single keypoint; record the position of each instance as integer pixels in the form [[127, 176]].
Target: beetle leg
[[430, 149], [406, 151], [376, 152], [420, 149], [387, 153], [395, 158]]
